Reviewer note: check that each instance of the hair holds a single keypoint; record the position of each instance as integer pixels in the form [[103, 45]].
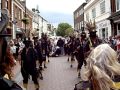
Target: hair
[[102, 66], [7, 60]]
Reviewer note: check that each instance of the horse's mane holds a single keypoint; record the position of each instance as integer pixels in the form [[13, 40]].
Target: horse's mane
[[102, 66]]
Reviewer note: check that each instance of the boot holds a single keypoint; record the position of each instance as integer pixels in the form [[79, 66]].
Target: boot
[[48, 60], [71, 65], [68, 60], [79, 75], [36, 87], [25, 85], [45, 66]]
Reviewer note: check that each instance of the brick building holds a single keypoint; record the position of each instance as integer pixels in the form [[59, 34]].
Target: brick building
[[18, 15], [79, 18], [16, 10]]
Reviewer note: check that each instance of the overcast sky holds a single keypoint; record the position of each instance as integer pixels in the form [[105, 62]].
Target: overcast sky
[[56, 11]]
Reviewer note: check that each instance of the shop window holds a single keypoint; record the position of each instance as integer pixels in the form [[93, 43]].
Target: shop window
[[103, 33], [119, 26], [107, 32]]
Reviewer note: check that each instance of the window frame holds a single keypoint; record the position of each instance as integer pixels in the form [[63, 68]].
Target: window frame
[[87, 16], [102, 8], [117, 7], [94, 13]]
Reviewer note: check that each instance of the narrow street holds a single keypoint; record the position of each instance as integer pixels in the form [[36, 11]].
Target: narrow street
[[57, 76]]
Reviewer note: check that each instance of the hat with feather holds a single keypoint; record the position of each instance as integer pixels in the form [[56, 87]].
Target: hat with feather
[[91, 27]]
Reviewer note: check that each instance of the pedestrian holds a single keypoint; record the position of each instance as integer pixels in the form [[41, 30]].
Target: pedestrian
[[79, 52], [44, 48], [37, 47], [28, 64]]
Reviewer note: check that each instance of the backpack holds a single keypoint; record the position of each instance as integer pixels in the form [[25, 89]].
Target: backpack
[[6, 84]]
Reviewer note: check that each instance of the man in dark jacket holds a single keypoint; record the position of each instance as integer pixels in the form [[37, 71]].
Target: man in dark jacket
[[28, 64]]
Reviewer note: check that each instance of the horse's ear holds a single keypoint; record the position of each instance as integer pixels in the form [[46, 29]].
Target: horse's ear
[[3, 23]]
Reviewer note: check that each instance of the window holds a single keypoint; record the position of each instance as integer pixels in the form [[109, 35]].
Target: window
[[0, 9], [80, 25], [87, 17], [81, 12], [93, 13], [102, 7], [6, 4], [118, 4], [19, 14]]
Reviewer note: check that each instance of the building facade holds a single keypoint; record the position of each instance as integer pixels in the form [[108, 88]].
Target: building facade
[[18, 13], [79, 18], [35, 22], [99, 11], [115, 17]]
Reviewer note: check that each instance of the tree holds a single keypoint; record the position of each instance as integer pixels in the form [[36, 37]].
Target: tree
[[69, 31], [62, 27]]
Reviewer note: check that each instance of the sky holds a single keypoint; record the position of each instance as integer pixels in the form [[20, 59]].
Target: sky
[[56, 11]]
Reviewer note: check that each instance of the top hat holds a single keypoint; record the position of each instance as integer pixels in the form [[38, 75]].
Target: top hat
[[3, 23]]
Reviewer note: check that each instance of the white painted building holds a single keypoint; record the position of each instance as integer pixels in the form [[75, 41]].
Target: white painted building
[[99, 10], [35, 22]]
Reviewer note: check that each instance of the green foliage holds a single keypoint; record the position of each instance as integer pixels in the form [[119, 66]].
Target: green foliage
[[69, 31], [25, 20], [62, 27]]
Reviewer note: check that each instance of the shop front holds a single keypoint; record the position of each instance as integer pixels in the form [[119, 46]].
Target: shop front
[[104, 29], [115, 23]]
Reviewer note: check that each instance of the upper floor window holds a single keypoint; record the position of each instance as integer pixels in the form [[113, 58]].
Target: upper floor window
[[118, 5], [87, 17], [77, 14], [93, 13], [81, 12], [6, 4], [80, 24], [102, 7]]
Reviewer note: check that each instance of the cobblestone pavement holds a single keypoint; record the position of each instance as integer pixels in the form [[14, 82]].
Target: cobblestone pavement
[[57, 76]]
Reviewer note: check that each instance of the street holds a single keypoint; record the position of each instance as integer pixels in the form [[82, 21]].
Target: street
[[57, 76]]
